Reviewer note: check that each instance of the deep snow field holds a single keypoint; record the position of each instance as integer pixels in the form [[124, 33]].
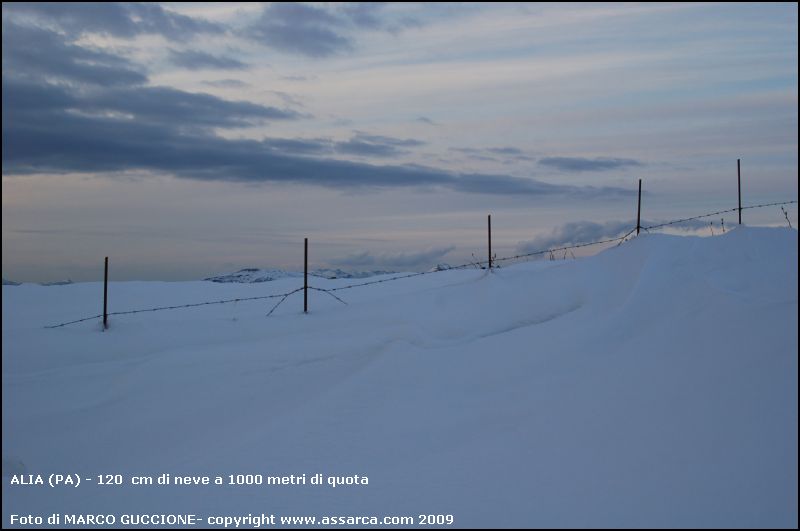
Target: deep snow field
[[653, 384]]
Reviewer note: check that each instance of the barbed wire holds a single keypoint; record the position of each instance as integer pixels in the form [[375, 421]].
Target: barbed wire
[[565, 248], [676, 221], [76, 321], [179, 306], [481, 264], [284, 297], [328, 291]]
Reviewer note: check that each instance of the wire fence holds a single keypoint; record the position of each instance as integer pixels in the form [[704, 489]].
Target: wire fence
[[482, 264]]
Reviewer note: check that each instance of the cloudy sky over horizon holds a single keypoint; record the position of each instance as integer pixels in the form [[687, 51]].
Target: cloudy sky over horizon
[[189, 139]]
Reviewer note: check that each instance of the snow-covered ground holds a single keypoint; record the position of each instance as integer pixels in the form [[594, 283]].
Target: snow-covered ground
[[654, 384]]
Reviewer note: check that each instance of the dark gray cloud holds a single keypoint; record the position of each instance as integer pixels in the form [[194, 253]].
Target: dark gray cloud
[[578, 164], [43, 73], [37, 53], [111, 18], [226, 83], [300, 28], [412, 260], [316, 30], [87, 111], [40, 134], [299, 146], [195, 60], [171, 106], [505, 154], [388, 140], [364, 144], [143, 106]]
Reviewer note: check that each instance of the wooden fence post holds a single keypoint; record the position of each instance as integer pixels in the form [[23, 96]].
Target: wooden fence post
[[105, 297], [739, 179], [639, 210], [305, 279], [490, 241]]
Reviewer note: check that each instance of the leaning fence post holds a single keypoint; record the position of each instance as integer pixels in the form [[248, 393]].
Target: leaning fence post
[[639, 210], [305, 278], [105, 297], [739, 179], [490, 241]]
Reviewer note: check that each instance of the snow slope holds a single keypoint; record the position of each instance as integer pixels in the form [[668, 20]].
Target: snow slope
[[654, 384]]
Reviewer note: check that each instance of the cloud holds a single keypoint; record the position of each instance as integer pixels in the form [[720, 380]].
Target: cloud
[[40, 135], [111, 18], [425, 120], [412, 260], [300, 28], [37, 53], [289, 99], [299, 146], [376, 145], [104, 119], [507, 154], [362, 144], [299, 78], [578, 232], [42, 73], [318, 31], [135, 107], [195, 60], [578, 164], [505, 150], [226, 83]]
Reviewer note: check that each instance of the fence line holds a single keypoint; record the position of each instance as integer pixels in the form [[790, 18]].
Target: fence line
[[180, 306], [717, 213], [329, 291]]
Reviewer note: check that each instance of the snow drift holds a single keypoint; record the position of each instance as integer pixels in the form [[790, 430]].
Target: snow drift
[[654, 385]]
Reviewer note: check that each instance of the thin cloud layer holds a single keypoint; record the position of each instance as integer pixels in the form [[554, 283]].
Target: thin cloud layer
[[318, 31], [376, 145], [579, 164], [578, 232], [575, 233], [411, 260], [505, 154], [196, 60], [119, 19], [226, 83]]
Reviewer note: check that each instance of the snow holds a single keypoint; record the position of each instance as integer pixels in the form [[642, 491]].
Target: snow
[[653, 385]]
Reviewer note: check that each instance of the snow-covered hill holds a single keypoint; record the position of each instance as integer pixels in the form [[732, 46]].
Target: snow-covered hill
[[654, 384]]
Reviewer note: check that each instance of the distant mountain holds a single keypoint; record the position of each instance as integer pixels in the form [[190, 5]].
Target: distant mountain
[[54, 283], [338, 273], [253, 275]]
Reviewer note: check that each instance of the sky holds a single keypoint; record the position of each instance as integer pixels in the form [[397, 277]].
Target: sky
[[185, 140]]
